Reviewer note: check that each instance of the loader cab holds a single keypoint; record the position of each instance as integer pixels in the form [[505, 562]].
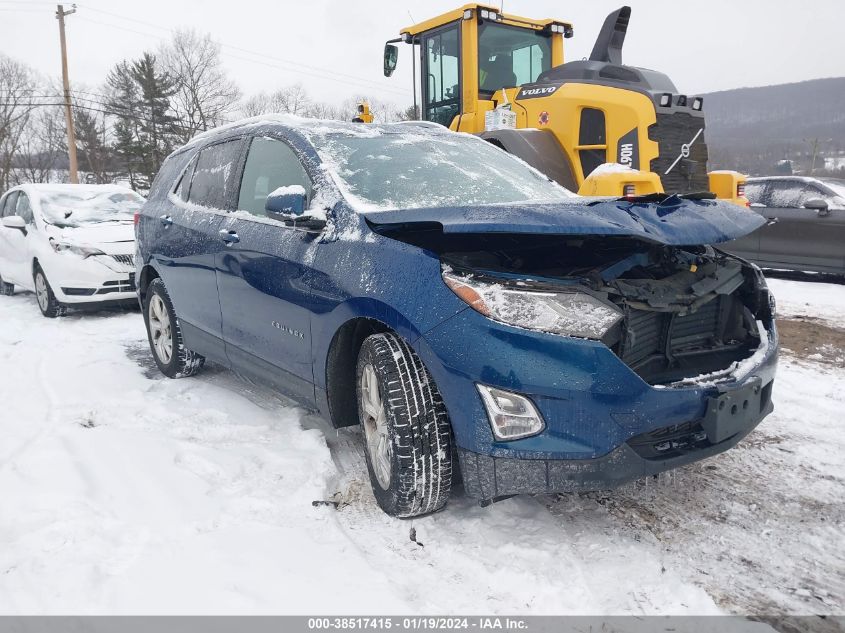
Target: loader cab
[[468, 55]]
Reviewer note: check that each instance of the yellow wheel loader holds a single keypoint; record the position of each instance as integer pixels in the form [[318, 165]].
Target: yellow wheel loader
[[596, 126]]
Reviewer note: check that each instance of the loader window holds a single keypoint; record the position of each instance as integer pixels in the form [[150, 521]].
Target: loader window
[[441, 85], [510, 56], [592, 140]]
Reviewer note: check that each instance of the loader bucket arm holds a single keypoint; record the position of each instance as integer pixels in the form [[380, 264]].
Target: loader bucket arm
[[608, 46]]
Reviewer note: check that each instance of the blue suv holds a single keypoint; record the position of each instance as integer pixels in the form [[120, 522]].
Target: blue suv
[[478, 321]]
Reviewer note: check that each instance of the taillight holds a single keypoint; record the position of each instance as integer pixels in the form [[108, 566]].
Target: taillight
[[740, 190], [136, 218], [629, 191]]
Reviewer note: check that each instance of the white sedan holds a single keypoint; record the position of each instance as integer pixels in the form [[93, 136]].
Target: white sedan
[[70, 244]]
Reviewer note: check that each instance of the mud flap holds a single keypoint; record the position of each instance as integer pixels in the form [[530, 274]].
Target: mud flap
[[733, 411]]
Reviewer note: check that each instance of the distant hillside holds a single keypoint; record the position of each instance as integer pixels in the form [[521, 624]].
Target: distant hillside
[[750, 129]]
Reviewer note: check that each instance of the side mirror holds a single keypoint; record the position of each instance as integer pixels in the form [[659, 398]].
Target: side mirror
[[286, 203], [15, 222], [818, 204], [391, 56]]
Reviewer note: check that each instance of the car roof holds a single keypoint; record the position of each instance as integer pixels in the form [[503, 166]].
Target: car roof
[[304, 127], [803, 179]]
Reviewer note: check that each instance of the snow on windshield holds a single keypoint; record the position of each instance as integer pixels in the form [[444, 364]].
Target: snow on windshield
[[837, 185], [75, 207], [408, 169]]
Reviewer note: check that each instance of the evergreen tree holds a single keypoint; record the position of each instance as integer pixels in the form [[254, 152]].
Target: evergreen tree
[[145, 128]]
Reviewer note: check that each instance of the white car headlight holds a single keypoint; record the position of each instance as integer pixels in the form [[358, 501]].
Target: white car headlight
[[82, 251], [570, 313]]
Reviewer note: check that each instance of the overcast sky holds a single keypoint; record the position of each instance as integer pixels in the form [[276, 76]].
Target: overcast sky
[[334, 48]]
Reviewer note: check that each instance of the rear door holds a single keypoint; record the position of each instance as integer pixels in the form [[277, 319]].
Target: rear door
[[263, 278], [190, 243]]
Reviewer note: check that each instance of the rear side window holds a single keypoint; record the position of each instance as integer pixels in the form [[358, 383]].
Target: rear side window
[[270, 164], [184, 184], [213, 181]]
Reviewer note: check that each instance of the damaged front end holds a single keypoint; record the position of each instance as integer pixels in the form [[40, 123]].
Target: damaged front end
[[674, 315]]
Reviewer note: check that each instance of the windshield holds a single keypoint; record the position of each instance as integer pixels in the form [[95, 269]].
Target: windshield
[[411, 170], [837, 185], [510, 56], [70, 208]]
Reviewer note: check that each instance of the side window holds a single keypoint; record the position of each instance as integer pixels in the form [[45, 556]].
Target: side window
[[184, 184], [783, 194], [9, 205], [592, 140], [213, 181], [24, 209], [811, 192], [754, 192], [270, 164]]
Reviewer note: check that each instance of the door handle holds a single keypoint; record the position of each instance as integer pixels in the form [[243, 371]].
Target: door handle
[[229, 237], [166, 220]]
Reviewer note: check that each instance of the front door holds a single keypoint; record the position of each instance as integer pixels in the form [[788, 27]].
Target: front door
[[799, 237], [263, 277], [17, 265]]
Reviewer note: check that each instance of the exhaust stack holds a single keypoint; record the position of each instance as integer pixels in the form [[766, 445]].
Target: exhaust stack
[[608, 46]]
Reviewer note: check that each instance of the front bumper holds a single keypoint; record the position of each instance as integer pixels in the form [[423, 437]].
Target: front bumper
[[605, 426], [487, 478], [96, 279]]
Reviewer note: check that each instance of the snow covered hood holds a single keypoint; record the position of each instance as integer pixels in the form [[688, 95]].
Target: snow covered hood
[[674, 221]]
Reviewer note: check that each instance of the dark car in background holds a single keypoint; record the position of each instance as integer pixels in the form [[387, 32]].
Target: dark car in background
[[806, 224]]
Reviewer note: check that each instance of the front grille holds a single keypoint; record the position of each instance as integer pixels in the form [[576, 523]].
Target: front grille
[[649, 333], [664, 347], [670, 441], [122, 285], [126, 260], [672, 132]]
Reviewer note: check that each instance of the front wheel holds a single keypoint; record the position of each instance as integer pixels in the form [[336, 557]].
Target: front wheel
[[408, 438], [50, 306], [172, 357]]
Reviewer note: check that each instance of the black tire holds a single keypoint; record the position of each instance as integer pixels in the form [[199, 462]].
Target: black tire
[[417, 427], [47, 302], [6, 289], [181, 362]]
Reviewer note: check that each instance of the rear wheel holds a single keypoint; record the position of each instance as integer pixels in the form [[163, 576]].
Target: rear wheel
[[6, 289], [47, 302], [172, 357], [407, 435]]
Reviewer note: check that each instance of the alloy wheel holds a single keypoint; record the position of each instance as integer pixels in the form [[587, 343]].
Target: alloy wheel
[[41, 292], [375, 426], [161, 331]]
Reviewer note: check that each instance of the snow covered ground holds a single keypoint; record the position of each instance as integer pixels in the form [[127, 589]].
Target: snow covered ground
[[124, 492]]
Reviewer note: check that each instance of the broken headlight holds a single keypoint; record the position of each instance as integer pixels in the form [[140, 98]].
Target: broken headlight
[[567, 312]]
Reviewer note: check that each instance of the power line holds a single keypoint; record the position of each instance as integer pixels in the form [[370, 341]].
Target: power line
[[282, 63]]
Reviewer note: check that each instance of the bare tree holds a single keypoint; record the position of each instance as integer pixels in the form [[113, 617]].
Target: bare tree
[[42, 146], [204, 96], [17, 90], [289, 100]]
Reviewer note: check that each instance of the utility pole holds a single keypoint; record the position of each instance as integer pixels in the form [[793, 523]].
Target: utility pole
[[71, 133]]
